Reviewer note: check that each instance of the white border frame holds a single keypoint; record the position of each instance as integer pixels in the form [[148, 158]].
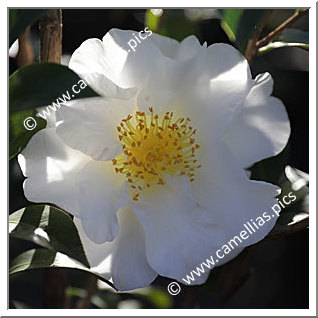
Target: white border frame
[[312, 165]]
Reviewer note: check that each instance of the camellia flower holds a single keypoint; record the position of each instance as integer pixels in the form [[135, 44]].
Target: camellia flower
[[154, 170]]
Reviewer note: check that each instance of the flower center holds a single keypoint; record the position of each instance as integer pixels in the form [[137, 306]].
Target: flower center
[[154, 146]]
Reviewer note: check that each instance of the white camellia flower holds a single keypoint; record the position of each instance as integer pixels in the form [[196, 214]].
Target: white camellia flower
[[154, 170]]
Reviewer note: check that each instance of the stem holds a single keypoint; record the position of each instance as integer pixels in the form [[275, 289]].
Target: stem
[[25, 55], [288, 229], [251, 48], [51, 51], [265, 40], [51, 37]]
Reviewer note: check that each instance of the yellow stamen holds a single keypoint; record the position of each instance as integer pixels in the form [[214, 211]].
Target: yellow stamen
[[153, 147]]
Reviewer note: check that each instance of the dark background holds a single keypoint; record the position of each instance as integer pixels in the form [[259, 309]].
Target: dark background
[[277, 271]]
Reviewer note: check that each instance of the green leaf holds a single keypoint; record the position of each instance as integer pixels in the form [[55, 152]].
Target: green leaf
[[230, 21], [19, 135], [100, 299], [20, 305], [240, 24], [247, 25], [19, 19], [48, 227], [41, 84], [44, 258], [294, 36], [172, 23], [155, 295], [271, 169]]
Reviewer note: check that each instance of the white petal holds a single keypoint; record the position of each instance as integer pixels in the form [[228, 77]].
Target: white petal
[[105, 87], [209, 83], [89, 125], [218, 89], [262, 128], [123, 260], [228, 62], [91, 57], [223, 188], [211, 89], [167, 46], [178, 234], [175, 76], [51, 167], [189, 47], [175, 50], [147, 68], [14, 49], [107, 57], [101, 193]]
